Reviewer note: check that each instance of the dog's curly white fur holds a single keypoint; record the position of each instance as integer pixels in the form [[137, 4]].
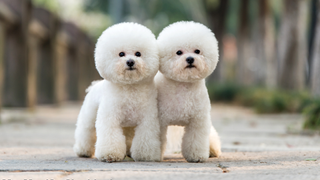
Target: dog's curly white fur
[[188, 54], [119, 114]]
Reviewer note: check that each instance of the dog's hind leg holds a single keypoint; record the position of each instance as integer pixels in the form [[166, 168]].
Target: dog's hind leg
[[85, 134], [128, 132], [215, 145]]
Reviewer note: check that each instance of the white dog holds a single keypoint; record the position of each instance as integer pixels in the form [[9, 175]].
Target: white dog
[[188, 54], [122, 108]]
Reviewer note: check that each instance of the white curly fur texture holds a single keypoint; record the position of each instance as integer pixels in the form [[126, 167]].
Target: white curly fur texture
[[183, 98], [119, 115]]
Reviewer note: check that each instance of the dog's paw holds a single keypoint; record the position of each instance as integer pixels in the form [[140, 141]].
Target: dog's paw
[[146, 152], [196, 159], [109, 156], [215, 152], [82, 151], [196, 156], [153, 157]]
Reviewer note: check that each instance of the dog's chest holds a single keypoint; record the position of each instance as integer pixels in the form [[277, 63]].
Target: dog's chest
[[132, 109], [131, 114], [179, 106]]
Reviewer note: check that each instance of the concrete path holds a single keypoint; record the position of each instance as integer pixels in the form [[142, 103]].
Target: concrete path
[[38, 145]]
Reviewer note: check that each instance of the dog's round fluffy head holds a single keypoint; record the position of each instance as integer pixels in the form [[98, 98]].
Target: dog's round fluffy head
[[188, 51], [127, 53]]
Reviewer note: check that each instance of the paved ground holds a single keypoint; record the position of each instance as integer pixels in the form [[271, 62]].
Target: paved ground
[[38, 145]]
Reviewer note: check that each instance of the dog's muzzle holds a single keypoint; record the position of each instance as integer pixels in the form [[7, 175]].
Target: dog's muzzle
[[190, 61], [130, 63]]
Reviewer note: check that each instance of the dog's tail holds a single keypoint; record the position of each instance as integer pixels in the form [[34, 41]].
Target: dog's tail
[[92, 84]]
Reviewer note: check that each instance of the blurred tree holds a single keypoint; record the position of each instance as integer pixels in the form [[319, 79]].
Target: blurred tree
[[51, 5], [292, 45], [266, 44], [315, 71], [232, 21], [2, 44], [217, 15], [116, 10], [155, 14], [244, 45], [311, 37]]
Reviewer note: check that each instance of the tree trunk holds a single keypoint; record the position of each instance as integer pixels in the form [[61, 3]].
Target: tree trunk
[[315, 67], [266, 41], [217, 19], [2, 34], [311, 38], [244, 71], [292, 45]]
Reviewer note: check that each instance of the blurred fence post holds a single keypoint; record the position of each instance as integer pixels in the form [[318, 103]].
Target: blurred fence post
[[87, 70], [42, 60], [83, 68], [72, 63], [43, 34], [32, 72], [78, 73], [16, 52], [60, 67], [7, 19]]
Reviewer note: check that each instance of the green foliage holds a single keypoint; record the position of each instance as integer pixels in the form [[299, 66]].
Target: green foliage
[[268, 101], [312, 113], [271, 101], [233, 16], [223, 92], [262, 100], [97, 5], [155, 14], [51, 5]]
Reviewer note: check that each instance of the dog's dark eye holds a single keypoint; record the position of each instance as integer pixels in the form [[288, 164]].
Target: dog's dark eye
[[179, 52], [197, 51], [122, 54], [138, 54]]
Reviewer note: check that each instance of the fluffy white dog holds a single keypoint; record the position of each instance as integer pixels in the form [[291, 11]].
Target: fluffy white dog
[[188, 54], [119, 114]]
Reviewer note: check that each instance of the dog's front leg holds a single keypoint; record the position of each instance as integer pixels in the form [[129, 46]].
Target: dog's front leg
[[195, 142], [111, 145], [146, 142]]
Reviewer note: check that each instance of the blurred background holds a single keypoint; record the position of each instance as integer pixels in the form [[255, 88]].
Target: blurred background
[[269, 49]]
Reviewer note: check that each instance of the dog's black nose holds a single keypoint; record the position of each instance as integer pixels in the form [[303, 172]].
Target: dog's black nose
[[190, 60], [130, 62]]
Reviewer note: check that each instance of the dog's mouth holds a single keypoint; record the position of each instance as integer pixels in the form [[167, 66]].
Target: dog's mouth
[[190, 66], [131, 69]]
